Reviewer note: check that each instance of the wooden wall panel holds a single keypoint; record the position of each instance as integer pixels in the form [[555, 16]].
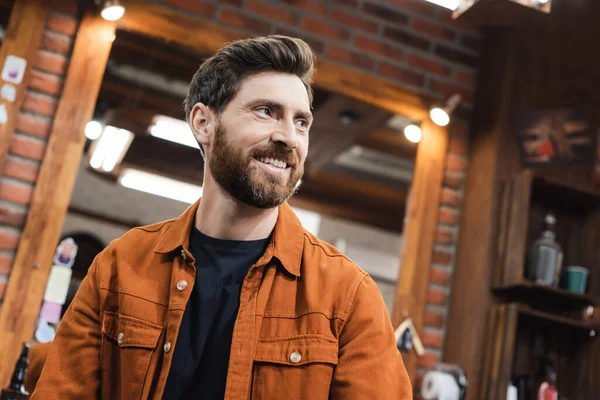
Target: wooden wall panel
[[53, 190]]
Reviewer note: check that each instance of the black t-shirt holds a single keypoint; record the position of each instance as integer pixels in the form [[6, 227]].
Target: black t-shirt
[[201, 355]]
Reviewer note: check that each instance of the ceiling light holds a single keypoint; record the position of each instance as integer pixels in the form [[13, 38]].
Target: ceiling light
[[110, 148], [173, 130], [160, 186], [449, 4], [112, 10], [413, 133], [440, 114], [539, 2], [93, 130]]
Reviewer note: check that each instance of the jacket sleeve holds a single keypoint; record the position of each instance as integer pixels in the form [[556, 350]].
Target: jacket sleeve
[[72, 370], [369, 364]]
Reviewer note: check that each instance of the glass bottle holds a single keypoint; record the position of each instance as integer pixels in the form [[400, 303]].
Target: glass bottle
[[16, 390], [545, 256]]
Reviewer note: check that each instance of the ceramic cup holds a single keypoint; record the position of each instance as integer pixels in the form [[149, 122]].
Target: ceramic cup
[[576, 279]]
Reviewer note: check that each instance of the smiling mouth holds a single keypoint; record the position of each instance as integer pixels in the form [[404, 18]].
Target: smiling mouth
[[273, 162]]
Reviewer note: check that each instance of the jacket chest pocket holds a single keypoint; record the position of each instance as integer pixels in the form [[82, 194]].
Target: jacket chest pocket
[[127, 347], [294, 368]]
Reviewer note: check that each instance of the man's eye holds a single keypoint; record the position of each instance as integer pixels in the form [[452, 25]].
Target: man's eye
[[302, 124], [264, 111]]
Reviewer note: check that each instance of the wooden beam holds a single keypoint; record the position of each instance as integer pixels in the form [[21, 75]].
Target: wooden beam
[[22, 39], [206, 38], [52, 193], [419, 230]]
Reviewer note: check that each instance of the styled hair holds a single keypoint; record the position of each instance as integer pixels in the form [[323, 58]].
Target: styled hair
[[219, 78]]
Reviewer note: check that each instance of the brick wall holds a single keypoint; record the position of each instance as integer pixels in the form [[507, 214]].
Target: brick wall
[[410, 42], [33, 127]]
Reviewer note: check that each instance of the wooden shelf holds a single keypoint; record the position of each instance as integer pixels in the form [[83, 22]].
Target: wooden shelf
[[559, 195], [530, 292], [558, 319]]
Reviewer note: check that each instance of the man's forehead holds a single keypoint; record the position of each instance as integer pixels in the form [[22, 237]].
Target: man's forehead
[[285, 89]]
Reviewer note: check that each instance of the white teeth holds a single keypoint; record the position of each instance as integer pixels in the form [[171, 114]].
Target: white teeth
[[272, 161]]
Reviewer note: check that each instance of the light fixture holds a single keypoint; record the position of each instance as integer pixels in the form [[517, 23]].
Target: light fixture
[[539, 2], [110, 148], [112, 10], [440, 114], [348, 117], [174, 130], [93, 130], [160, 186], [449, 4], [413, 133]]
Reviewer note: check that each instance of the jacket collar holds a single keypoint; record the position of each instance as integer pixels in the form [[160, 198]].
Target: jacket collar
[[287, 240]]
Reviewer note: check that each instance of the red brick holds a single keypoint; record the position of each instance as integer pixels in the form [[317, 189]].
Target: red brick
[[272, 12], [45, 83], [56, 43], [2, 289], [407, 38], [18, 193], [401, 74], [385, 13], [39, 103], [315, 44], [428, 65], [465, 77], [437, 31], [456, 163], [433, 318], [354, 21], [237, 3], [453, 180], [311, 6], [418, 380], [441, 257], [26, 147], [49, 62], [417, 6], [347, 3], [194, 6], [447, 88], [471, 42], [9, 239], [22, 170], [444, 236], [65, 7], [459, 130], [376, 47], [448, 216], [325, 29], [61, 24], [456, 55], [450, 197], [457, 146], [349, 57], [240, 20], [12, 217], [445, 16], [5, 264], [440, 276], [33, 125], [436, 296], [432, 339], [428, 360]]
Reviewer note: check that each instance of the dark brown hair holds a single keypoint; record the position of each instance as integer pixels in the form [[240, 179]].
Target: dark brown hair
[[219, 78]]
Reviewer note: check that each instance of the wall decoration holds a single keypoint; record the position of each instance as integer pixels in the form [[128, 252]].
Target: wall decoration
[[555, 137]]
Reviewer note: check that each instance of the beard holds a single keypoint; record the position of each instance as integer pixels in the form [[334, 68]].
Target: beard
[[233, 170]]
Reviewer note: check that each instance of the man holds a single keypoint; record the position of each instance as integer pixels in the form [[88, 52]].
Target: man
[[233, 299]]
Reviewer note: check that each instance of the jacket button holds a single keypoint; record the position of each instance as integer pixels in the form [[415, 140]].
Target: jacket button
[[120, 337], [167, 347], [181, 285], [183, 255], [295, 357]]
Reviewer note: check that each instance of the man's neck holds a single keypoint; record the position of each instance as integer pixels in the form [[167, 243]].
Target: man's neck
[[223, 217]]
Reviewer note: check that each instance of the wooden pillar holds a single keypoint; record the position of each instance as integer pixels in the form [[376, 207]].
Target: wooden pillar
[[22, 39], [419, 230], [52, 194]]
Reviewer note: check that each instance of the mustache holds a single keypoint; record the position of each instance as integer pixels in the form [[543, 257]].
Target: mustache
[[276, 152]]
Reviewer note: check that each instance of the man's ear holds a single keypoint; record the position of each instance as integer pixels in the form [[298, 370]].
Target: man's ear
[[202, 122]]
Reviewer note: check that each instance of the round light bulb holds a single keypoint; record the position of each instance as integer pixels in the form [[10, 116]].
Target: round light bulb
[[112, 12], [541, 1], [439, 116], [413, 133], [93, 130]]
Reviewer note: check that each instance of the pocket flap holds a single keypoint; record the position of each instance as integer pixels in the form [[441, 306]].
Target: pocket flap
[[298, 350], [130, 331]]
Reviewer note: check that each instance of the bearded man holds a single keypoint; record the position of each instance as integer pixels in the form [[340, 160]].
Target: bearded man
[[233, 299]]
